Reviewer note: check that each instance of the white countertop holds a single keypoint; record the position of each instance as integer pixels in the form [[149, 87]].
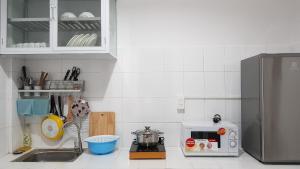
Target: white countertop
[[119, 160]]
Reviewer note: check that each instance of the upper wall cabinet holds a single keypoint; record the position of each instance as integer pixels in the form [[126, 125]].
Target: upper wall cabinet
[[58, 26]]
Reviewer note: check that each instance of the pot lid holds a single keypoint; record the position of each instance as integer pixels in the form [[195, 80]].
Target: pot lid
[[147, 131]]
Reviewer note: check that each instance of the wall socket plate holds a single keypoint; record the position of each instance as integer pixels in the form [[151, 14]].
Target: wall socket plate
[[180, 104]]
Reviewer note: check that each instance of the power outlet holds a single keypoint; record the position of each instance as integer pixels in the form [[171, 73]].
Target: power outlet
[[180, 104]]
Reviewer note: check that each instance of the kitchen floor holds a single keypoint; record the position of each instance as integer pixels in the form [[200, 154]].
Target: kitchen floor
[[175, 160]]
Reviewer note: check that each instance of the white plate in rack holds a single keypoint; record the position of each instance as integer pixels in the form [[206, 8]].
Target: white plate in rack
[[84, 39], [92, 40], [88, 39], [71, 40], [77, 40]]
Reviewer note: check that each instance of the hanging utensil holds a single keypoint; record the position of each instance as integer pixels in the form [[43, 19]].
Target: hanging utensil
[[52, 126], [70, 101], [67, 75], [61, 108], [22, 80], [25, 79], [41, 78], [75, 73], [53, 109], [30, 81], [72, 73], [42, 82], [24, 72]]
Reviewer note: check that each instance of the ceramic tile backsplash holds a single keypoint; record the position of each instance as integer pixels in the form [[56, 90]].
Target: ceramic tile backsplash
[[38, 65], [194, 84], [232, 84], [16, 122], [108, 105], [151, 110], [156, 84], [5, 72], [214, 58], [233, 55], [212, 107], [164, 54], [194, 110], [102, 84], [9, 120], [144, 60], [233, 110], [91, 65], [193, 59], [173, 59], [214, 84], [4, 142]]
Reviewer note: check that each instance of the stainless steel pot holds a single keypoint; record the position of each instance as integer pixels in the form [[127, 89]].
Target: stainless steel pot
[[148, 137]]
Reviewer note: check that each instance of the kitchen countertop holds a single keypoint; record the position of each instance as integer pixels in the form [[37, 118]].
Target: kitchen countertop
[[119, 160]]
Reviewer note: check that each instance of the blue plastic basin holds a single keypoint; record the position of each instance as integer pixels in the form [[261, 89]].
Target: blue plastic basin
[[102, 144]]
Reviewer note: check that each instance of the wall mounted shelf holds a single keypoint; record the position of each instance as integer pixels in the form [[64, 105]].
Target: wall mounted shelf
[[49, 91]]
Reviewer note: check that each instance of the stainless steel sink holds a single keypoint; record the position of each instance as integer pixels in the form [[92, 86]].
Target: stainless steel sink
[[49, 155]]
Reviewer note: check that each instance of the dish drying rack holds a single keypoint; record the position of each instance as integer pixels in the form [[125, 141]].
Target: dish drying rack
[[57, 87], [75, 24], [67, 24], [30, 24]]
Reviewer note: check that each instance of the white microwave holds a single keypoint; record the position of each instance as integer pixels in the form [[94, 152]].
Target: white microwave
[[206, 138]]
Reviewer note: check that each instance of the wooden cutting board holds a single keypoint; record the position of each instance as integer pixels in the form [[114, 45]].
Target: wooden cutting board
[[101, 123]]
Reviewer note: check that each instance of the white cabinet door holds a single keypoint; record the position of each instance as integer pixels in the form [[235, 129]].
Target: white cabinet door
[[25, 25], [79, 25], [57, 26]]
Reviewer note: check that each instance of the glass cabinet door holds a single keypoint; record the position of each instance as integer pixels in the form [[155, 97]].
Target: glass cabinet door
[[79, 23], [28, 24]]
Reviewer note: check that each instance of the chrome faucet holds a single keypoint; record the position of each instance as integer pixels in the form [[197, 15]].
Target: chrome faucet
[[78, 147]]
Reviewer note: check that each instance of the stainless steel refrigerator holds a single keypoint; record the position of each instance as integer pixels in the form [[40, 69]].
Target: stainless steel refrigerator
[[271, 107]]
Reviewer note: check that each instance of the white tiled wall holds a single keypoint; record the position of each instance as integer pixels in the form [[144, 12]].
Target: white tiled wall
[[3, 113], [173, 48], [16, 122], [10, 125]]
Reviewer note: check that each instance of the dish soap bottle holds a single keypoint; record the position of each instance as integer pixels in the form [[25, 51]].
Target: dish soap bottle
[[27, 141]]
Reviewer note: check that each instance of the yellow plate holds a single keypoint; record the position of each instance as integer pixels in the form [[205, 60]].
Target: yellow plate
[[52, 127]]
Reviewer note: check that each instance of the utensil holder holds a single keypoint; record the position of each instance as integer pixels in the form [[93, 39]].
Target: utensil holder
[[37, 94], [64, 85], [27, 94]]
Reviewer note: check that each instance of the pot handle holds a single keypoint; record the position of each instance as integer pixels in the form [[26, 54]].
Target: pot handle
[[161, 140]]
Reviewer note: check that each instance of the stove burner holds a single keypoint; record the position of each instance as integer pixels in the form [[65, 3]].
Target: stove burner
[[143, 152], [137, 148]]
